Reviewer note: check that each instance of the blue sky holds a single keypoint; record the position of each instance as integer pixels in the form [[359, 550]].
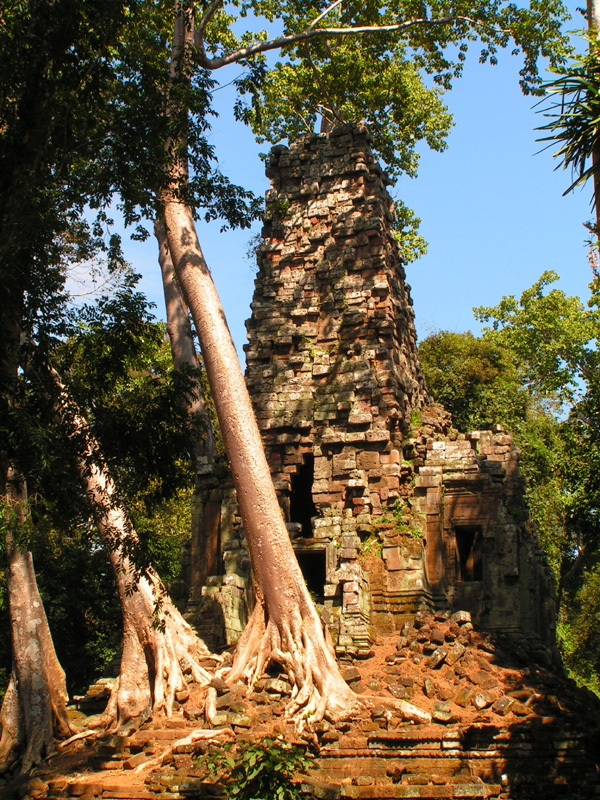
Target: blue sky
[[491, 206]]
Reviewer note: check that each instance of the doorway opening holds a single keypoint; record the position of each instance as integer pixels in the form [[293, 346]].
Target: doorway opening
[[468, 553], [313, 564], [302, 507]]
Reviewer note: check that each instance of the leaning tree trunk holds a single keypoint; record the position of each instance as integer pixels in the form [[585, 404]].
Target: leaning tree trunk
[[159, 646], [284, 626], [181, 342], [34, 709]]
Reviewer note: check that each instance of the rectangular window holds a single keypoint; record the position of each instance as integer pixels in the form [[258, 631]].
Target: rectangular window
[[468, 553]]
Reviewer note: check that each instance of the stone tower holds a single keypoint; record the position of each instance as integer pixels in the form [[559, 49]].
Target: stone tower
[[332, 364], [388, 508]]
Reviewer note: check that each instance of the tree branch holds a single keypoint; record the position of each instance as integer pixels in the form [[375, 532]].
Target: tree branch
[[323, 88], [324, 14], [199, 32], [311, 33], [208, 16]]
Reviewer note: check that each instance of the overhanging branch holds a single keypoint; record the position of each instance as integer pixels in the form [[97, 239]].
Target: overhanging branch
[[311, 33]]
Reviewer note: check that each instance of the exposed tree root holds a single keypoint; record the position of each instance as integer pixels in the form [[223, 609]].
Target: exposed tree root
[[81, 735], [200, 734], [157, 652], [406, 711], [298, 645], [316, 693], [13, 733]]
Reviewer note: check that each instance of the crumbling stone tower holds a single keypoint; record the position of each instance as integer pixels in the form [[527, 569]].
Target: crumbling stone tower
[[332, 364]]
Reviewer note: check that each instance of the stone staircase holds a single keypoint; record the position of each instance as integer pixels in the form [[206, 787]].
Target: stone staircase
[[545, 759], [474, 761]]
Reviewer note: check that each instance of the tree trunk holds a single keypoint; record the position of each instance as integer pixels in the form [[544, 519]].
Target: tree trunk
[[203, 555], [159, 647], [286, 627], [181, 342], [35, 705]]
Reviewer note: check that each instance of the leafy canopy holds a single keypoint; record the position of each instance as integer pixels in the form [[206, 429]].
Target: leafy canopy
[[366, 62], [551, 337]]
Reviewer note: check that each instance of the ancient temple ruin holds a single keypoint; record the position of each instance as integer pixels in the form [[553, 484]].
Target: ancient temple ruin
[[388, 507]]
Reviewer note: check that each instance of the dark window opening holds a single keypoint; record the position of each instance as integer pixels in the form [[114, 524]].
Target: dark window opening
[[302, 507], [468, 553], [313, 564]]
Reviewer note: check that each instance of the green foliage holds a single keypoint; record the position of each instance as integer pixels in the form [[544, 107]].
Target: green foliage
[[118, 366], [77, 587], [474, 378], [412, 244], [162, 527], [259, 770], [403, 522], [573, 114], [119, 369], [549, 334], [415, 420], [352, 81], [372, 545], [386, 64], [578, 630]]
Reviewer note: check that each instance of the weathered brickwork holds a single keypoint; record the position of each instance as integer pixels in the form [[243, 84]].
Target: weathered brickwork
[[482, 554], [389, 509]]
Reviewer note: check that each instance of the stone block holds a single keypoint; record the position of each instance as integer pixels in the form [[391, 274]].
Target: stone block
[[368, 459], [392, 558], [438, 657], [442, 711], [322, 468], [360, 418], [390, 469], [343, 462], [455, 653], [428, 481], [352, 437], [461, 617], [378, 435], [464, 697], [502, 705]]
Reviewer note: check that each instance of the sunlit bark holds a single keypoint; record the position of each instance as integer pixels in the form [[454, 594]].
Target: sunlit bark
[[159, 646], [34, 709]]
